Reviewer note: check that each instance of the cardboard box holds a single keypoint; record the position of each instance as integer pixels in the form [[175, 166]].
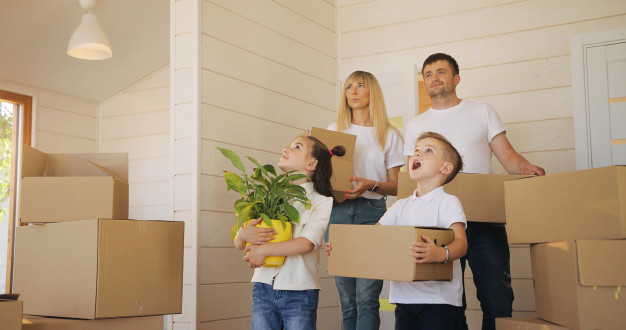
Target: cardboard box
[[100, 268], [578, 283], [30, 322], [10, 313], [588, 204], [67, 187], [382, 252], [342, 166], [525, 323], [482, 195]]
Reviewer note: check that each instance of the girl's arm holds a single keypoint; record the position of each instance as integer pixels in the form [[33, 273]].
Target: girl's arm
[[428, 252], [253, 235], [291, 247]]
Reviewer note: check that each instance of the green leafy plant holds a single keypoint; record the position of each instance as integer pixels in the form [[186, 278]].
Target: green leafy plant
[[264, 193]]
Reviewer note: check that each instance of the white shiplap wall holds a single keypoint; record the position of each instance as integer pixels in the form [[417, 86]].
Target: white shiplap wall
[[61, 123], [268, 72], [136, 121], [512, 54]]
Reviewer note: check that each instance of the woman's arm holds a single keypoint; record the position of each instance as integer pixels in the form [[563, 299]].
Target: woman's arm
[[384, 188]]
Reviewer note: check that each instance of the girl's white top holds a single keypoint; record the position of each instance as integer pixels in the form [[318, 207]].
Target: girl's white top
[[300, 272]]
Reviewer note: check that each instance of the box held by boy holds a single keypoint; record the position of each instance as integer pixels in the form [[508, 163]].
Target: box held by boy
[[382, 252], [342, 166], [10, 312], [67, 187], [587, 204], [578, 283], [100, 268], [482, 195]]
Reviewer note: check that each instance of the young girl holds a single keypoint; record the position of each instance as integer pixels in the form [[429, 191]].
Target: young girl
[[287, 296]]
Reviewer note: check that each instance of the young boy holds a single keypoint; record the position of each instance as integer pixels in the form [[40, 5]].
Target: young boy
[[430, 304]]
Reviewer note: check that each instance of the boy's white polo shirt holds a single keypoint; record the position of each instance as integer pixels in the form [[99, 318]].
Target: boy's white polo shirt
[[438, 209]]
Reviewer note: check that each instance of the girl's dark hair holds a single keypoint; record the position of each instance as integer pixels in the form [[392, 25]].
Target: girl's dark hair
[[324, 169]]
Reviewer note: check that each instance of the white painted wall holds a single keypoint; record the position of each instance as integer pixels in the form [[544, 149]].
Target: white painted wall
[[512, 54], [268, 73], [61, 123], [136, 121]]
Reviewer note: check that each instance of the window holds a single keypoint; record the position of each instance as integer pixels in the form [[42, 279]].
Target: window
[[15, 130]]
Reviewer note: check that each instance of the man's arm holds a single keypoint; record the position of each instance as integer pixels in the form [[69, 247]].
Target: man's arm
[[513, 162]]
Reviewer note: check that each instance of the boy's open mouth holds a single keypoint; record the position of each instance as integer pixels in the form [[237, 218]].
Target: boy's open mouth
[[416, 164]]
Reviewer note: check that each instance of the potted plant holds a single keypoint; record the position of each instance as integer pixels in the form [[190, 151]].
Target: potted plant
[[266, 195]]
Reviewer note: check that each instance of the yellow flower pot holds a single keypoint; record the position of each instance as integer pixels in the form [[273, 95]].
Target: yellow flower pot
[[281, 236]]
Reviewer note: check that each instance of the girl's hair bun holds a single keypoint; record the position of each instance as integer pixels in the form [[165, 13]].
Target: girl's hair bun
[[338, 151]]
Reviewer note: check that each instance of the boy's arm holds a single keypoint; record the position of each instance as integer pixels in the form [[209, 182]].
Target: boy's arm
[[428, 252], [292, 247]]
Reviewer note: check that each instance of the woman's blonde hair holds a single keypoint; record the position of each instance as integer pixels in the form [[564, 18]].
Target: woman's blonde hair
[[378, 111]]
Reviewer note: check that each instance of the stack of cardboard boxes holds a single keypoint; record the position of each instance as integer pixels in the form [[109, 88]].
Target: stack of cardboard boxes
[[576, 225], [81, 258]]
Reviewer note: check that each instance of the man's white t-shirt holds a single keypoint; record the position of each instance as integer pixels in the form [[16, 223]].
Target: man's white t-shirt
[[435, 209], [469, 126], [370, 160]]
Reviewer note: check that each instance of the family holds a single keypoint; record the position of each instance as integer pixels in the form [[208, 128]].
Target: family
[[454, 135]]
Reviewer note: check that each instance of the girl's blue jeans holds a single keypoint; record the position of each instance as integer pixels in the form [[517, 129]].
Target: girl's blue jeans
[[283, 309], [359, 297]]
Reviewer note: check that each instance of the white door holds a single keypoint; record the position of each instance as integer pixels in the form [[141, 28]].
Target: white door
[[606, 77], [599, 88]]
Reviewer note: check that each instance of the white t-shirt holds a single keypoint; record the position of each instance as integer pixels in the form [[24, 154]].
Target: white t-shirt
[[370, 161], [435, 209], [469, 126], [300, 272]]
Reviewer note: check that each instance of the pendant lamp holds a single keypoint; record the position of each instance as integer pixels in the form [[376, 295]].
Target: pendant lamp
[[89, 42]]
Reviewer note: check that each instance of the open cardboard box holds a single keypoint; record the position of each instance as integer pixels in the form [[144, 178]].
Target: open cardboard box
[[578, 283], [10, 312], [342, 166], [382, 252], [587, 204], [73, 186], [482, 195], [30, 322], [100, 268]]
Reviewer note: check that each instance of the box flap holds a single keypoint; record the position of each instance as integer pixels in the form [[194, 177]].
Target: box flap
[[33, 161], [601, 262], [88, 164], [333, 138]]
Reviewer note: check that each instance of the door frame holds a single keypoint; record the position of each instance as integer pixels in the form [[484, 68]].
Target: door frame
[[578, 50]]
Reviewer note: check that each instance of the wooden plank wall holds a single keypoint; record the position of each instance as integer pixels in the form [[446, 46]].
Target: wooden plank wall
[[62, 123], [512, 54], [136, 121], [267, 74]]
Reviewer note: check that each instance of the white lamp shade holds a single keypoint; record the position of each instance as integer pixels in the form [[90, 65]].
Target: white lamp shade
[[89, 42]]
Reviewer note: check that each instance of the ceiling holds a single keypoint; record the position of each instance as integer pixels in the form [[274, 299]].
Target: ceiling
[[34, 35]]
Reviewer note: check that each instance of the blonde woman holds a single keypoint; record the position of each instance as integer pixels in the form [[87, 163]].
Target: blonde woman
[[377, 161]]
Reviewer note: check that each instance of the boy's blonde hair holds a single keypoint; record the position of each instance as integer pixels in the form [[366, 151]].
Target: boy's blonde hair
[[450, 154], [378, 111]]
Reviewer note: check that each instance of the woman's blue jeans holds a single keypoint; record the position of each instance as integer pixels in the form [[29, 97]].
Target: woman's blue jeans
[[359, 297]]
